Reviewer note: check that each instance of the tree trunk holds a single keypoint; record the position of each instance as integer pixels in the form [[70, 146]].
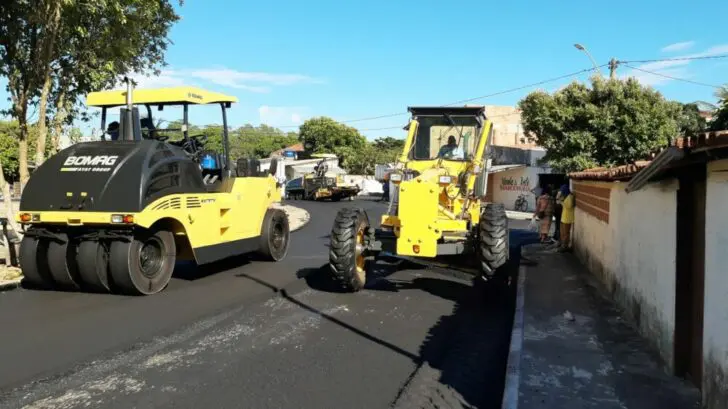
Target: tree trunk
[[48, 47], [23, 153], [58, 120], [40, 144]]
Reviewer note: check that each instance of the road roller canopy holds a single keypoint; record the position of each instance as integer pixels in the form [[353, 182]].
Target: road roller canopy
[[159, 96]]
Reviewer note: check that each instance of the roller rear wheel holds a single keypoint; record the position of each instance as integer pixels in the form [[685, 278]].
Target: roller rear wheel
[[92, 260], [275, 235], [62, 262], [144, 264], [34, 263]]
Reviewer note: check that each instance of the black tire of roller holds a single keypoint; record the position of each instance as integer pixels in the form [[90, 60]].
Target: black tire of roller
[[34, 263], [125, 266], [62, 262], [275, 235], [92, 260], [342, 248], [493, 239]]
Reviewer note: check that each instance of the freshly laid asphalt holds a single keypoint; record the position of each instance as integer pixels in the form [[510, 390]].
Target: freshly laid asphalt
[[261, 335]]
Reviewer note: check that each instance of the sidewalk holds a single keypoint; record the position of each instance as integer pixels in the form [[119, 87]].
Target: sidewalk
[[578, 353]]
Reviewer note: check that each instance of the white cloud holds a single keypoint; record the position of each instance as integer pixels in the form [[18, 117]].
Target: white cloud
[[681, 46], [257, 82], [166, 78], [282, 116], [242, 80]]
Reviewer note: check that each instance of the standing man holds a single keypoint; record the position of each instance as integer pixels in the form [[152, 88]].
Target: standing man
[[557, 214], [567, 218]]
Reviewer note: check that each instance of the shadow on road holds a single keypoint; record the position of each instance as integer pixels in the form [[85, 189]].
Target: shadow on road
[[462, 361], [190, 271]]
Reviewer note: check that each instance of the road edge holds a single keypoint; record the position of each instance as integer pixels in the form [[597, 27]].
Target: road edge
[[303, 217], [10, 284], [513, 366]]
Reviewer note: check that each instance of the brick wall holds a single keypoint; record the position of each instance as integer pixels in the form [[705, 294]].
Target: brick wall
[[593, 198]]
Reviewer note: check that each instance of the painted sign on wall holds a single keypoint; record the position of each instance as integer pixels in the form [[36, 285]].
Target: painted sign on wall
[[520, 184]]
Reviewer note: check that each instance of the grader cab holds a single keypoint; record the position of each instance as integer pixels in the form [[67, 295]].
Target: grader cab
[[436, 208]]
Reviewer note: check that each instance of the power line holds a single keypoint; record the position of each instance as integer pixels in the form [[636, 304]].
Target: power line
[[706, 57], [507, 91], [671, 77]]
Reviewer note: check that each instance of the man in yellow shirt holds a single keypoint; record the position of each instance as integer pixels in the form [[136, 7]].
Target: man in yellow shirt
[[567, 218]]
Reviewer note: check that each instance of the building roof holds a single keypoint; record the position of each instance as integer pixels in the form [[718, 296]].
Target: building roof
[[503, 168], [157, 96], [610, 174], [643, 171], [297, 147]]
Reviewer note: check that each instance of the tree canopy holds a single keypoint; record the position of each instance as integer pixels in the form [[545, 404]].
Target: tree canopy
[[52, 52], [356, 154], [611, 122]]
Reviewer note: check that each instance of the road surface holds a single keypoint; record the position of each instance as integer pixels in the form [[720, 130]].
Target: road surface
[[259, 335]]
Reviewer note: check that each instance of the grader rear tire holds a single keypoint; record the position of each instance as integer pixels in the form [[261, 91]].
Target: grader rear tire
[[346, 249], [143, 265], [493, 233], [34, 263]]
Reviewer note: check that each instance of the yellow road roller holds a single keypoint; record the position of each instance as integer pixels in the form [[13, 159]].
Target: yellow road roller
[[115, 215]]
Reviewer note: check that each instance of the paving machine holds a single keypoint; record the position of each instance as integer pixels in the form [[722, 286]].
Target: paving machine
[[322, 184], [436, 208], [115, 215]]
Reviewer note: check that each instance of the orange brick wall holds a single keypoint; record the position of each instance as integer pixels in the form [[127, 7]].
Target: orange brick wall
[[593, 198]]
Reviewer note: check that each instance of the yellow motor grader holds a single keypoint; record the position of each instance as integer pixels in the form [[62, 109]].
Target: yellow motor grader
[[436, 208]]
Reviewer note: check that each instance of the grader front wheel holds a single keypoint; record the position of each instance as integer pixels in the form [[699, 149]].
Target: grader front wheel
[[493, 233], [348, 242]]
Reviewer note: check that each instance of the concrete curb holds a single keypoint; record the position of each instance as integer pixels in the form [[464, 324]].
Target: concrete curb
[[513, 368], [297, 217], [10, 284], [512, 214]]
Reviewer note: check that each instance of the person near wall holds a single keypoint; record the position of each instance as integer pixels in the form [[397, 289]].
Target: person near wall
[[567, 218], [545, 211], [558, 206]]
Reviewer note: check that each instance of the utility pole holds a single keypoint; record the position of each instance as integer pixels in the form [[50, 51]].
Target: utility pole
[[613, 63]]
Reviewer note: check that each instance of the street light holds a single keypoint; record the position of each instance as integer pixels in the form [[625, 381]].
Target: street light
[[594, 63]]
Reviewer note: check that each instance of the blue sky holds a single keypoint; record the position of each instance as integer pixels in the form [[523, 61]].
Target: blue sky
[[290, 60]]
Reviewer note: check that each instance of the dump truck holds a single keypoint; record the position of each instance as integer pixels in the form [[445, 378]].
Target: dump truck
[[115, 215], [436, 207]]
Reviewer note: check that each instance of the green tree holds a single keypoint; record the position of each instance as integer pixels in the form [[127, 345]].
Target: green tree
[[613, 122], [57, 51], [690, 121], [329, 136], [720, 119]]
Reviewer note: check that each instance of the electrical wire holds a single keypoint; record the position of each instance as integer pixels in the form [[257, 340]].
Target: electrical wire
[[705, 57], [671, 77], [503, 92]]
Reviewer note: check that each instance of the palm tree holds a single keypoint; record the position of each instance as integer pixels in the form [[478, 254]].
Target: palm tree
[[722, 93]]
